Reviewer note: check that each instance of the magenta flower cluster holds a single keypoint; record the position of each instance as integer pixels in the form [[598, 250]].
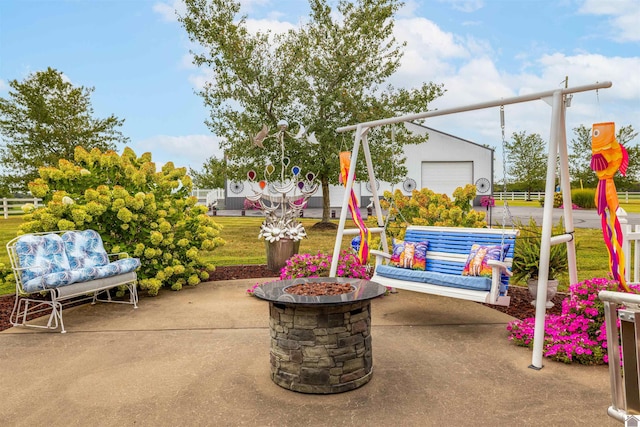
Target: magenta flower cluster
[[319, 265], [578, 334], [249, 205], [487, 201]]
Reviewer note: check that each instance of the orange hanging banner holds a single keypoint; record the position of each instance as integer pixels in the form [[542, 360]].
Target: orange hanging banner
[[608, 156], [365, 234]]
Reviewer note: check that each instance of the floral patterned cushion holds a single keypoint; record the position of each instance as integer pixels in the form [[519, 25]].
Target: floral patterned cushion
[[52, 260], [121, 266], [85, 249], [41, 255], [60, 278]]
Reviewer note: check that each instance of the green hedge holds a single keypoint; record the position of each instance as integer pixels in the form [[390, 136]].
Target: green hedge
[[584, 198]]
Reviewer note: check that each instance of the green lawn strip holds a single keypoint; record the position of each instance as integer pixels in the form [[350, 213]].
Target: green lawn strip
[[244, 248]]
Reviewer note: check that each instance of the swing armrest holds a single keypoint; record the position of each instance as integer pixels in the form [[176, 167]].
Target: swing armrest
[[501, 266], [380, 256]]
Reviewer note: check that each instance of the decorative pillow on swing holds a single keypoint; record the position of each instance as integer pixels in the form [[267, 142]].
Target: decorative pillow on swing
[[476, 264], [411, 255]]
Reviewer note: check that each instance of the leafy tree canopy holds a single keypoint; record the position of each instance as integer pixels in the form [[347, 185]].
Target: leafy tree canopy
[[323, 75], [42, 120], [526, 160], [212, 175]]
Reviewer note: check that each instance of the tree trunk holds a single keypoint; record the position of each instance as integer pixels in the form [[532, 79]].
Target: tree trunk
[[325, 200]]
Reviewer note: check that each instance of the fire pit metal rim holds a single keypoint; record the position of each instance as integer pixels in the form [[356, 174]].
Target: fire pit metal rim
[[363, 290]]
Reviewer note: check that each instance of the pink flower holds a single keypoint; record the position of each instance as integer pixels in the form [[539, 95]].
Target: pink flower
[[579, 332]]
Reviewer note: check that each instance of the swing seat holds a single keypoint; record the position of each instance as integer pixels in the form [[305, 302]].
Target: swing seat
[[448, 253]]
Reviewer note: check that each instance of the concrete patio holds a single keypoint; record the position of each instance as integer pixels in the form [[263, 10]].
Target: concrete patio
[[200, 357]]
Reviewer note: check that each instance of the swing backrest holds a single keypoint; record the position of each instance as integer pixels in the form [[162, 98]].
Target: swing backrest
[[449, 247]]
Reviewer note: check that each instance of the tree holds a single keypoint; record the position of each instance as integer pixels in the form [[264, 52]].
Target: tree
[[580, 158], [323, 75], [43, 119], [527, 160], [213, 174]]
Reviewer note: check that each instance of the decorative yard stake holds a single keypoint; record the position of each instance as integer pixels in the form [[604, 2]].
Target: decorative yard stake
[[609, 156], [281, 201]]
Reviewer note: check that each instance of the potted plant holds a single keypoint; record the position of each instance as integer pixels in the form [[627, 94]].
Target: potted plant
[[526, 260]]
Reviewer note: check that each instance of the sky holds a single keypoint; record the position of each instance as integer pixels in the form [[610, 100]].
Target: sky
[[136, 55]]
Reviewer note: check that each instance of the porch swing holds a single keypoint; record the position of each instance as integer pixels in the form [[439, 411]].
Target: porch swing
[[464, 263], [448, 249]]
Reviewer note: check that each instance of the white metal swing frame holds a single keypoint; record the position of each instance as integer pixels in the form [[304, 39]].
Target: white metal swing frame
[[557, 99]]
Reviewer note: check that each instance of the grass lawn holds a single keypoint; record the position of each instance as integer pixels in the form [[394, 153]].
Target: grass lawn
[[244, 247]]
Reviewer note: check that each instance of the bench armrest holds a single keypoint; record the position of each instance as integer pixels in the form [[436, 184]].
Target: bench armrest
[[502, 267], [380, 256]]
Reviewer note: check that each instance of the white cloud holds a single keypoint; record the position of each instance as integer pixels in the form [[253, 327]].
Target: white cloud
[[409, 9], [628, 24], [3, 85], [624, 17], [262, 25], [183, 151], [201, 78], [247, 6], [430, 52], [167, 11]]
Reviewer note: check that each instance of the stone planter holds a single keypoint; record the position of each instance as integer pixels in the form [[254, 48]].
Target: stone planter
[[279, 252], [552, 289]]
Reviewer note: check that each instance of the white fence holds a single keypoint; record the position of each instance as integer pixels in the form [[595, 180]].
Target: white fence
[[14, 206], [623, 196], [207, 197]]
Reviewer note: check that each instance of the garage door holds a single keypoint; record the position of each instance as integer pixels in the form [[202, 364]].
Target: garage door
[[445, 177]]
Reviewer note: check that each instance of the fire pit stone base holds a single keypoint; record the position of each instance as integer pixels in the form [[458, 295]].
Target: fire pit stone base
[[321, 349]]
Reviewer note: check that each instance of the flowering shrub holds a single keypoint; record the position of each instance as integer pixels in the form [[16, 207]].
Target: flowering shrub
[[578, 334], [557, 199], [319, 265], [134, 208], [426, 207], [7, 279]]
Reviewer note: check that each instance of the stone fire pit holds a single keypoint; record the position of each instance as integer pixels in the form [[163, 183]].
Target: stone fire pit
[[320, 344]]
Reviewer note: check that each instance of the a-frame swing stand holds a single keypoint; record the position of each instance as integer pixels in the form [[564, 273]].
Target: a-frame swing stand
[[557, 99]]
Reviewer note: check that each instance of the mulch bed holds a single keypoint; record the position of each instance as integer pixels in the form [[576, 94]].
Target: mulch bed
[[519, 308]]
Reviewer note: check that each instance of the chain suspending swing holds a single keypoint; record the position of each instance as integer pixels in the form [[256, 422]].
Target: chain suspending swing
[[505, 205]]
